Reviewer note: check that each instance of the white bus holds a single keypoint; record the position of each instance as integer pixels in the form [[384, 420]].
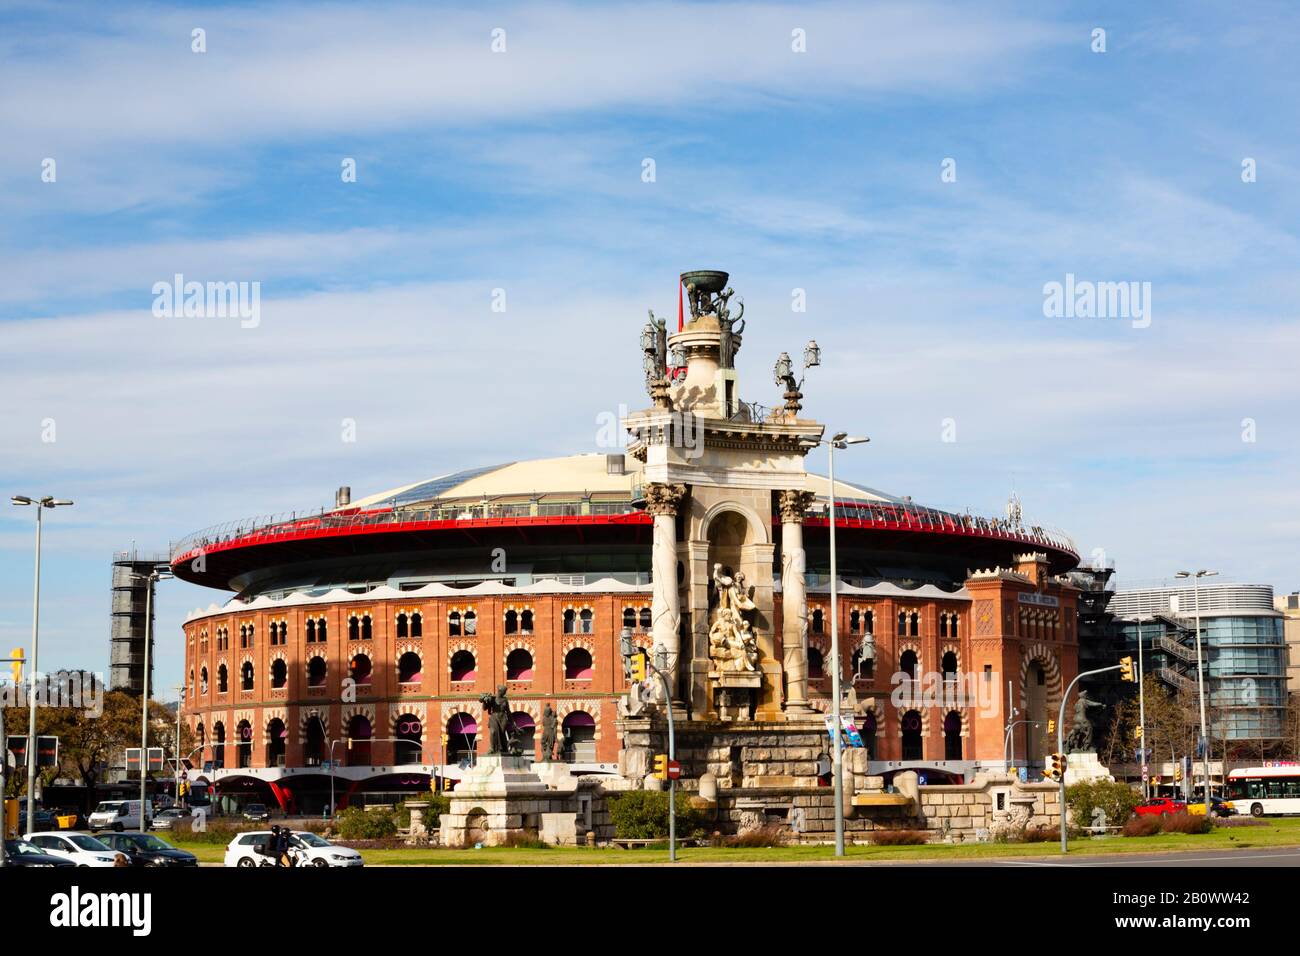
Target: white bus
[[1265, 791]]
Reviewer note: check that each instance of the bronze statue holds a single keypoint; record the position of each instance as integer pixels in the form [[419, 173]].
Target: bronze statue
[[548, 734], [1082, 733], [498, 710]]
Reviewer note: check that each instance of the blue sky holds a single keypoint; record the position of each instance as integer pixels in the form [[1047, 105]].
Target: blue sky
[[522, 170]]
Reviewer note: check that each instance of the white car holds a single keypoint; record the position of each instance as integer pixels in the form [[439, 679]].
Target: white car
[[81, 848], [306, 849]]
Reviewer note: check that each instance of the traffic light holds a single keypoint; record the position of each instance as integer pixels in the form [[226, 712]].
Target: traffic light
[[1178, 773], [637, 663], [1055, 768], [1137, 733], [1126, 669], [661, 766], [1051, 725], [16, 665]]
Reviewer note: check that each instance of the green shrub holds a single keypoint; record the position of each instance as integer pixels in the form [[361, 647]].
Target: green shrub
[[435, 805], [357, 823], [1101, 802], [643, 815]]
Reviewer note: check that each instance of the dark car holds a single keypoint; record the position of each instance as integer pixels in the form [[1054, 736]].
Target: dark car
[[44, 820], [257, 813], [145, 849], [22, 853]]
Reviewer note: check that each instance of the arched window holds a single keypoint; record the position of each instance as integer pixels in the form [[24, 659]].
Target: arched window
[[462, 737], [276, 736], [359, 669], [463, 666], [855, 621], [417, 624], [471, 623], [359, 734], [320, 630], [949, 666], [570, 620], [629, 618], [902, 624], [366, 628], [870, 621], [526, 622], [279, 673], [816, 668], [408, 668], [512, 622], [912, 745], [645, 619], [864, 662], [203, 679], [407, 749], [519, 665], [585, 621], [577, 664], [246, 676], [311, 631], [579, 738], [314, 749], [402, 625], [907, 664], [453, 624], [354, 629], [915, 622], [316, 671], [244, 744], [943, 625], [523, 731], [219, 744], [223, 679], [817, 622], [952, 736]]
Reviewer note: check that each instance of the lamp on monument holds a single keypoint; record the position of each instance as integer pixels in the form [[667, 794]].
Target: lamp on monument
[[677, 358], [649, 363], [782, 372], [812, 354], [648, 337]]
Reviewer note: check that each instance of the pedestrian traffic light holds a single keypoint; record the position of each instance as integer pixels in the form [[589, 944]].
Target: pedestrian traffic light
[[1055, 766], [661, 766], [637, 662], [16, 665], [1126, 669]]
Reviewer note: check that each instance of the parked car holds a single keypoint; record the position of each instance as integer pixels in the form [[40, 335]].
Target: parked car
[[118, 815], [145, 849], [1218, 807], [44, 820], [167, 819], [1159, 807], [81, 848], [22, 853], [306, 849], [257, 813]]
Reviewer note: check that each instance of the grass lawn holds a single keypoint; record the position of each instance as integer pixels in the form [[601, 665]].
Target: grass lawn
[[1276, 832]]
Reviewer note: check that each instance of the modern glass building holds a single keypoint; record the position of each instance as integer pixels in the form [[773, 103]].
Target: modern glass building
[[1244, 650]]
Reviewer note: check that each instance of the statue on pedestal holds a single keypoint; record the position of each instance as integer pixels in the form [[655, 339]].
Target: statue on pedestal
[[1082, 734], [497, 707], [548, 734], [733, 646]]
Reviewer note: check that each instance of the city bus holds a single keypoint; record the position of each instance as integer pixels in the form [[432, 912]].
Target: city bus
[[1265, 791]]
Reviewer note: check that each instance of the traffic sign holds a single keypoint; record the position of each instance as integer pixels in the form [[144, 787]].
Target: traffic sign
[[674, 770]]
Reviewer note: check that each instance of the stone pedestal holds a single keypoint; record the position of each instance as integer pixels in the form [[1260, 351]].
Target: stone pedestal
[[1082, 767], [500, 796], [734, 694]]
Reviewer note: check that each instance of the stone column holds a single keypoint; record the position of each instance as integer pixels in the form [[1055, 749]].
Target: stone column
[[662, 501], [794, 600]]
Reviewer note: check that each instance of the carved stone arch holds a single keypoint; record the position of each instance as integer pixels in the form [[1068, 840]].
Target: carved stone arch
[[462, 644], [759, 528], [925, 719], [578, 640], [277, 655], [1043, 654], [269, 714], [308, 717], [397, 709], [246, 658], [359, 710], [472, 707], [589, 707], [411, 646], [529, 707], [950, 648], [915, 647]]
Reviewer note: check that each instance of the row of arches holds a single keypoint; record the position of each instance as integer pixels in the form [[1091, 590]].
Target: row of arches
[[576, 744], [912, 728], [863, 667]]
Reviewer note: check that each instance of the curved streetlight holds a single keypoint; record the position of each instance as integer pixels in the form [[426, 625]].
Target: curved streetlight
[[1200, 676]]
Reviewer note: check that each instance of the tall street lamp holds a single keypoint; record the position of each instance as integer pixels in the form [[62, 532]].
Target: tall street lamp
[[1200, 676], [839, 440], [157, 574], [41, 504], [1142, 709]]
